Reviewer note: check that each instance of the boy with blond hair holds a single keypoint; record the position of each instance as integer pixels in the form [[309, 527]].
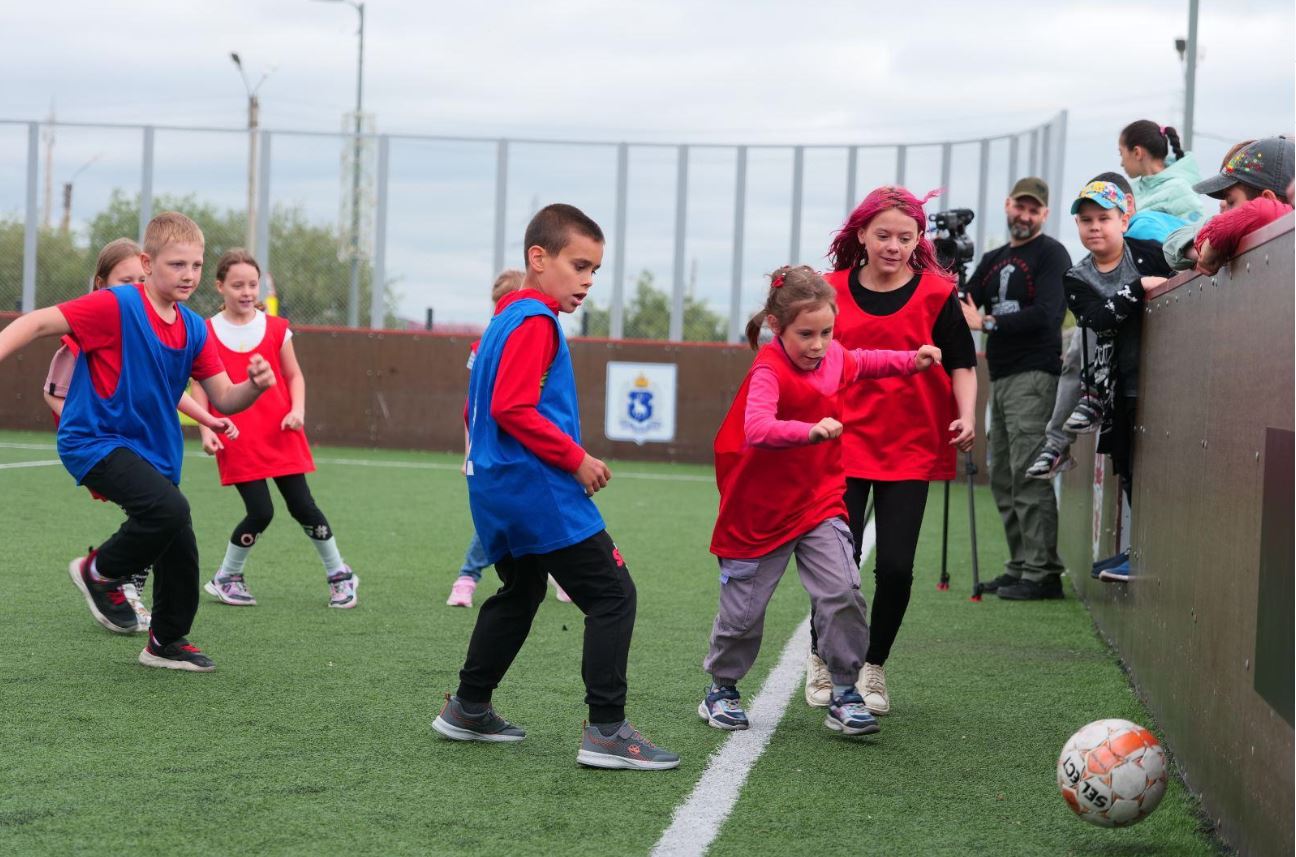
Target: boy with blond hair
[[119, 434]]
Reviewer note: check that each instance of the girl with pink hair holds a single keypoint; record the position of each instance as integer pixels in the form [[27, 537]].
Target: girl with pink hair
[[900, 433]]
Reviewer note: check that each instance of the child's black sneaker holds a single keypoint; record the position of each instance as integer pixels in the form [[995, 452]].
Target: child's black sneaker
[[1002, 580], [458, 725], [625, 748], [1033, 590], [176, 655], [106, 599]]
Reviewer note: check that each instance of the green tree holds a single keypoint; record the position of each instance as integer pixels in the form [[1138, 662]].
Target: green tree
[[647, 316], [310, 280], [63, 269]]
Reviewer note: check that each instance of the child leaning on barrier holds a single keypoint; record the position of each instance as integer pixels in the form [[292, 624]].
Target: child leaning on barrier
[[1060, 433], [1104, 291], [1252, 170], [1262, 171]]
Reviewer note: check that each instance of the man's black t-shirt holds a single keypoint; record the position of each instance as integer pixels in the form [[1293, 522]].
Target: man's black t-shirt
[[1022, 288], [950, 332]]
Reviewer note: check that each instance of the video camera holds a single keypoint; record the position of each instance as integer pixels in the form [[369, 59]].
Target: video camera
[[954, 249]]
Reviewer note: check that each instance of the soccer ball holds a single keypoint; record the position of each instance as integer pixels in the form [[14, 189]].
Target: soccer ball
[[1112, 773]]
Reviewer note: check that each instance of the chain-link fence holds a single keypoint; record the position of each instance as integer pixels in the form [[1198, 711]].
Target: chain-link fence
[[692, 229]]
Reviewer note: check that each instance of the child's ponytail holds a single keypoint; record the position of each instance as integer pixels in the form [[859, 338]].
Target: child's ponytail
[[1157, 140], [792, 289], [1172, 136]]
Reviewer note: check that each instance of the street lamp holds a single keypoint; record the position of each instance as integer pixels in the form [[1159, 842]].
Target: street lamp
[[254, 112], [353, 297]]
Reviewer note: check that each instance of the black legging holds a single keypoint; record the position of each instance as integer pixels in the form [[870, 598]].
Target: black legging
[[898, 513], [260, 511]]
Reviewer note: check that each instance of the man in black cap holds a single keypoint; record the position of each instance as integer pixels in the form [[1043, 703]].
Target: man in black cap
[[1020, 287], [1262, 168]]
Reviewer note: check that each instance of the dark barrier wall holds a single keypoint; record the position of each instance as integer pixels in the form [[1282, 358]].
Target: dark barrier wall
[[1206, 626], [406, 390]]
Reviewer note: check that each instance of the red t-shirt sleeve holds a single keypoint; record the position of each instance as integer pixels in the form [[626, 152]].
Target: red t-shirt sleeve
[[524, 366], [208, 362], [95, 320]]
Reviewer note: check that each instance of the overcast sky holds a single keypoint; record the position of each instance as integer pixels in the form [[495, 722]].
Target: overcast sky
[[749, 72]]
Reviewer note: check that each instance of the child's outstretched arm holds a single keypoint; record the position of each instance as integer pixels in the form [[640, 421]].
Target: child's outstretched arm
[[194, 405], [230, 398], [879, 363], [34, 325], [296, 416], [761, 426]]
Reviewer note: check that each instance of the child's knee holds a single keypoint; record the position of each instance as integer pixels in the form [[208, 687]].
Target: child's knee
[[171, 511], [258, 520]]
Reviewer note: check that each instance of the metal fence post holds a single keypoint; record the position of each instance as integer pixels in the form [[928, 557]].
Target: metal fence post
[[798, 186], [676, 331], [501, 200], [947, 155], [263, 205], [983, 194], [616, 317], [1061, 162], [378, 287], [852, 176], [1013, 142], [736, 275], [900, 165], [33, 220], [146, 184]]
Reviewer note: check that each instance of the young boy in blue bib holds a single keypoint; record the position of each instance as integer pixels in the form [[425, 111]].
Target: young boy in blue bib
[[119, 434], [529, 487]]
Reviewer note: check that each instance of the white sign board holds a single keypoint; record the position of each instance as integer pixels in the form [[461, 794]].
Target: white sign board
[[640, 402]]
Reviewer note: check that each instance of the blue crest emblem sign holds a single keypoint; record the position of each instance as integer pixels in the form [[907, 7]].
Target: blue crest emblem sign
[[640, 406], [641, 401]]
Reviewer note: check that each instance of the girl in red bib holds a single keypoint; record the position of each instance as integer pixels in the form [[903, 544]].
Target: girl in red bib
[[779, 470], [272, 438], [900, 434]]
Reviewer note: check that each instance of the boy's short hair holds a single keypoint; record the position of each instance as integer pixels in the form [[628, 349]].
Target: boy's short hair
[[509, 280], [552, 226], [170, 227]]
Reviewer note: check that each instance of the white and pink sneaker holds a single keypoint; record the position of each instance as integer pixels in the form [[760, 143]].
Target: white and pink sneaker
[[230, 589], [462, 592]]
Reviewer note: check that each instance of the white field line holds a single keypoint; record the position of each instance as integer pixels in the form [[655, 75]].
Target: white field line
[[400, 465], [698, 820], [14, 464]]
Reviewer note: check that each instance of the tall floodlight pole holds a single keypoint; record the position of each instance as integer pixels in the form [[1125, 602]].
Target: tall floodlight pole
[[353, 296], [1190, 76], [254, 114]]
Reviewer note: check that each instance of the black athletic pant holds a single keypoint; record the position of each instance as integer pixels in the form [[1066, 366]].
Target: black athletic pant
[[158, 531], [260, 511], [898, 513], [598, 581]]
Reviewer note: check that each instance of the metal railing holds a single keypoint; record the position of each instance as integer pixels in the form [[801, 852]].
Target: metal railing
[[489, 187]]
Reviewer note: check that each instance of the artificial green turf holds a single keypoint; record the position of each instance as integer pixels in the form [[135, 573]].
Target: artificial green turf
[[313, 734]]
